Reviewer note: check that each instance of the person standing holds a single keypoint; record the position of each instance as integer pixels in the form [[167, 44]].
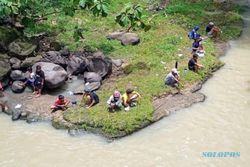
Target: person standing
[[39, 81]]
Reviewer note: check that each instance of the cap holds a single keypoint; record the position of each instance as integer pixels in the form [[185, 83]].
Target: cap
[[211, 23], [174, 70]]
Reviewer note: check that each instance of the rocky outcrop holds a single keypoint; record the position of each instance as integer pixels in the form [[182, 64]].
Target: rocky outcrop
[[55, 75], [125, 38], [21, 49]]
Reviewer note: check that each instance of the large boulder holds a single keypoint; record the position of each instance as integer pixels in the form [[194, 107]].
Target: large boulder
[[55, 75], [4, 65], [17, 75], [92, 86], [17, 86], [92, 77], [7, 35], [102, 66], [21, 49], [125, 38], [130, 39], [54, 57], [15, 63], [77, 65], [30, 61]]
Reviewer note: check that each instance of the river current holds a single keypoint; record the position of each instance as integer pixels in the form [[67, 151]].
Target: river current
[[220, 124]]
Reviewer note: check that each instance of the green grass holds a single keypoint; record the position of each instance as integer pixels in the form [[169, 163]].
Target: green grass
[[149, 62]]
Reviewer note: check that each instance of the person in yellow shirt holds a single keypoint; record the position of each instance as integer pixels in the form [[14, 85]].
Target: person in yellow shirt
[[130, 99]]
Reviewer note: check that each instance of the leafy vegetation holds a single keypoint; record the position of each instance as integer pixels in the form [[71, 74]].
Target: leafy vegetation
[[131, 16]]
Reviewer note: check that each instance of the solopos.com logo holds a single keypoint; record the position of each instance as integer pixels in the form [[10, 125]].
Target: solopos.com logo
[[220, 154]]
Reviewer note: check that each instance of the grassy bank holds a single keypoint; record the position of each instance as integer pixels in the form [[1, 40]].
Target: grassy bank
[[149, 62]]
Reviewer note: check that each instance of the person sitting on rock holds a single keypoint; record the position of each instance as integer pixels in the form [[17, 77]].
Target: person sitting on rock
[[212, 30], [39, 81], [130, 99], [173, 78], [61, 103], [193, 64], [3, 100], [90, 98], [30, 79], [115, 101]]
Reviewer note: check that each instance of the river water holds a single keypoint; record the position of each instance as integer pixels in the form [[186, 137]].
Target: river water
[[221, 123]]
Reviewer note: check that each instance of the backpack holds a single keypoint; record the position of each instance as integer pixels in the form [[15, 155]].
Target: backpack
[[191, 35]]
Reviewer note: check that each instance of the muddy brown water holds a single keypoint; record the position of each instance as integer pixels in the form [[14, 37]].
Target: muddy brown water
[[221, 123]]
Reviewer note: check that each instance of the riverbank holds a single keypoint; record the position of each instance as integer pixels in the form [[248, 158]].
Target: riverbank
[[148, 63], [163, 102]]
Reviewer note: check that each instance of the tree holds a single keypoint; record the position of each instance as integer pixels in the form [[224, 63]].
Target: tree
[[35, 10], [131, 16]]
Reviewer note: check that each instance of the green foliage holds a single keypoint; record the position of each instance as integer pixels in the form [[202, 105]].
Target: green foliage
[[131, 16], [98, 7]]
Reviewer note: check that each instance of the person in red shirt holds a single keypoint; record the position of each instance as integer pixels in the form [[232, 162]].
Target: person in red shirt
[[61, 103]]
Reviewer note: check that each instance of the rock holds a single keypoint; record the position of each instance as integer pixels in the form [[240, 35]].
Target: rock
[[21, 49], [125, 38], [101, 66], [7, 35], [130, 39], [32, 117], [115, 35], [65, 52], [30, 61], [16, 114], [99, 54], [92, 86], [24, 115], [54, 57], [92, 77], [77, 65], [55, 75], [117, 63], [15, 63], [17, 75], [4, 65], [17, 87]]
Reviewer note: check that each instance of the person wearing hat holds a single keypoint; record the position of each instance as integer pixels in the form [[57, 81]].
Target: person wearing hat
[[115, 101], [212, 30], [173, 78], [193, 64], [130, 99], [90, 98], [61, 103]]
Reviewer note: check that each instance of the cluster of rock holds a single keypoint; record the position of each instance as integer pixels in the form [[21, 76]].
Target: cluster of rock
[[58, 64]]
